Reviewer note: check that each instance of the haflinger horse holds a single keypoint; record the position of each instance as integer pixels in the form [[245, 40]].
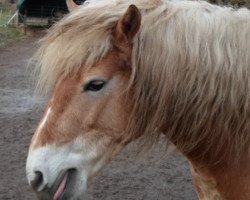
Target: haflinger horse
[[119, 70]]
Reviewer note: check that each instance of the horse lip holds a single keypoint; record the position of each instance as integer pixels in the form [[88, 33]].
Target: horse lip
[[62, 184], [58, 182]]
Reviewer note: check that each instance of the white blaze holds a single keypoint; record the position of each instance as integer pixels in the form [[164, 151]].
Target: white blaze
[[44, 121], [42, 124]]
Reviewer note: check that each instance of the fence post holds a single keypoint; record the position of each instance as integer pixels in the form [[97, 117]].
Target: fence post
[[24, 22], [1, 11]]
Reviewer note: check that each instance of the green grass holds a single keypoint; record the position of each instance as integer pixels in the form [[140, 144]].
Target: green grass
[[5, 12], [235, 3], [239, 2], [8, 34]]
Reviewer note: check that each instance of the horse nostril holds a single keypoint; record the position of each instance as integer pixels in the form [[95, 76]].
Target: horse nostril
[[37, 181]]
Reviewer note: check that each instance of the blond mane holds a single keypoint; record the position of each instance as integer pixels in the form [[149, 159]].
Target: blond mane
[[190, 69]]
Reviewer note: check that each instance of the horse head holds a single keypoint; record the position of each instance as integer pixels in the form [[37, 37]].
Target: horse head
[[84, 122]]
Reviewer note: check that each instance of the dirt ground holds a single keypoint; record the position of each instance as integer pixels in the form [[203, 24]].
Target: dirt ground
[[150, 177]]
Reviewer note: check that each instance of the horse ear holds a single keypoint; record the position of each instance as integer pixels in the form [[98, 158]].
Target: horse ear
[[71, 5], [129, 24]]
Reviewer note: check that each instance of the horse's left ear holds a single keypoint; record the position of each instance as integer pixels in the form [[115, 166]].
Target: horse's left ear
[[71, 5], [128, 25]]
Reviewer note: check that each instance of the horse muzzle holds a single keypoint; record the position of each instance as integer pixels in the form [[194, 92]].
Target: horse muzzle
[[56, 173], [62, 172]]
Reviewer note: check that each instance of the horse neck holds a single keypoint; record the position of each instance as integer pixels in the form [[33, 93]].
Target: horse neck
[[224, 181]]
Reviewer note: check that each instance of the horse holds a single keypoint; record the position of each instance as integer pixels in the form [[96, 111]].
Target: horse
[[121, 70]]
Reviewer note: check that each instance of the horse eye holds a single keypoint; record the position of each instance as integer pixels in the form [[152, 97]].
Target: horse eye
[[94, 86]]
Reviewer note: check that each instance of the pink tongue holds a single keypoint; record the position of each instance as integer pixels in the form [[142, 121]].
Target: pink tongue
[[61, 188]]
